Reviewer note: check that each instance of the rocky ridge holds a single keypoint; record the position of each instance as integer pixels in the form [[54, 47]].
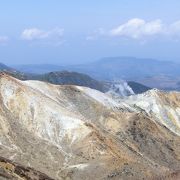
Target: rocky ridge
[[73, 132]]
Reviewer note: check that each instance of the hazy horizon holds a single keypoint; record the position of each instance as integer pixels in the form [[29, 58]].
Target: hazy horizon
[[86, 62]]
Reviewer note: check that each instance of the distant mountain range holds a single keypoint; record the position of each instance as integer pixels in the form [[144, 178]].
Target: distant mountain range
[[153, 73], [112, 67], [120, 87]]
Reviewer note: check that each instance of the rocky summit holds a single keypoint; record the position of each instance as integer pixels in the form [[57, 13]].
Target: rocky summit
[[71, 132]]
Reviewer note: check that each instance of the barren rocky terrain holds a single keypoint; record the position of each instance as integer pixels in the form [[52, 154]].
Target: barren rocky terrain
[[71, 132]]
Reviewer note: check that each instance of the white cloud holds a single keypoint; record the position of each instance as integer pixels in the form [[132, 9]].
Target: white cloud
[[4, 39], [138, 28], [38, 34]]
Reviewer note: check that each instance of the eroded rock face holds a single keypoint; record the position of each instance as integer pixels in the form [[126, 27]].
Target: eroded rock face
[[12, 170], [163, 107], [71, 132]]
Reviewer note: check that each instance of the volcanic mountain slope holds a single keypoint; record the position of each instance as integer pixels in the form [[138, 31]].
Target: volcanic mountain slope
[[72, 132], [164, 107], [11, 170]]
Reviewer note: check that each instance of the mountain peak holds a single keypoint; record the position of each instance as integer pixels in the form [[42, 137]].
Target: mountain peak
[[161, 105]]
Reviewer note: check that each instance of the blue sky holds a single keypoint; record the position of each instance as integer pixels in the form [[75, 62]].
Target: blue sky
[[71, 32]]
